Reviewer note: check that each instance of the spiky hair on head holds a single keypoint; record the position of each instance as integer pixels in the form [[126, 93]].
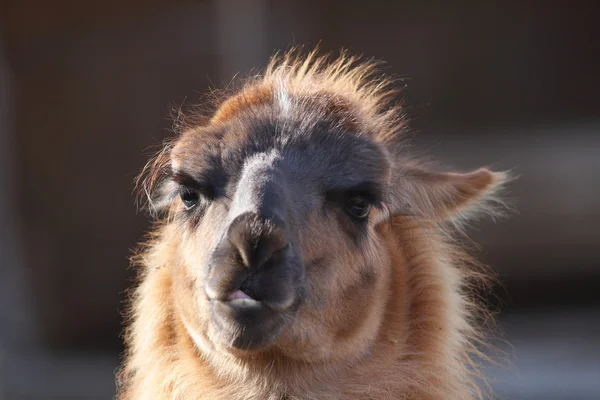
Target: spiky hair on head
[[348, 87]]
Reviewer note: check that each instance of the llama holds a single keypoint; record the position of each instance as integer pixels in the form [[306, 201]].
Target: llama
[[299, 253]]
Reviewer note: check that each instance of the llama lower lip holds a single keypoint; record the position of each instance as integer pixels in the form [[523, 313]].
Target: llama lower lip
[[244, 302], [239, 298], [238, 294]]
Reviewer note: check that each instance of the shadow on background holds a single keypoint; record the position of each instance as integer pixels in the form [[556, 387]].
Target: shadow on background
[[87, 89]]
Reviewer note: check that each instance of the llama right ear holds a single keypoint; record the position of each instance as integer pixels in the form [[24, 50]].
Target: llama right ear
[[446, 196], [153, 185]]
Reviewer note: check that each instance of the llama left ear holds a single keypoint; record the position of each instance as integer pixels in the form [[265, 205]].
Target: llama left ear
[[447, 196]]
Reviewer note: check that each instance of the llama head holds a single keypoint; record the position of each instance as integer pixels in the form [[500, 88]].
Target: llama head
[[275, 210]]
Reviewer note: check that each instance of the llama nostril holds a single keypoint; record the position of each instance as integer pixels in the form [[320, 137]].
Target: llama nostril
[[255, 240], [222, 279]]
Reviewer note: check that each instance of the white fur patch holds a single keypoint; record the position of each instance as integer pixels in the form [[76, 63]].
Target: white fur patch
[[284, 101], [196, 338]]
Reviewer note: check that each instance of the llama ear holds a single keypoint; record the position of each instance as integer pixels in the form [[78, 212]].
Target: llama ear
[[153, 185], [447, 196]]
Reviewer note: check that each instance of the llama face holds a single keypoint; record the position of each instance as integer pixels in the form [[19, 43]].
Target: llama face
[[279, 245]]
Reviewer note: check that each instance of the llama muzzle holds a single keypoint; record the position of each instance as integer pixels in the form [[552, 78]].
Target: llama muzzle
[[252, 281]]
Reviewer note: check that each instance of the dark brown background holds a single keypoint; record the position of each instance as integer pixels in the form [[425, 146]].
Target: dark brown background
[[87, 89]]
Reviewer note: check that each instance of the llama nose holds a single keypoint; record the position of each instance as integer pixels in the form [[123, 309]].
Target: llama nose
[[256, 240], [253, 260]]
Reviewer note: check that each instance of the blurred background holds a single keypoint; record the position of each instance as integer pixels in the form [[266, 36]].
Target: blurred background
[[87, 89]]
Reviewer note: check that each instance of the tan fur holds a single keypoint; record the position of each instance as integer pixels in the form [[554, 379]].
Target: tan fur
[[416, 337]]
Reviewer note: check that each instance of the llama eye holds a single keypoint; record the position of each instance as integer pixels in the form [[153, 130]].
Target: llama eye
[[358, 207], [189, 197]]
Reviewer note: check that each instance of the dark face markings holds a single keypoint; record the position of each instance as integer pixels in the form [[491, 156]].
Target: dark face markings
[[274, 210], [321, 165]]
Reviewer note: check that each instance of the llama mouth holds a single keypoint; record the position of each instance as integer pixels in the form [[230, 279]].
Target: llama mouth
[[238, 294], [243, 322], [239, 298]]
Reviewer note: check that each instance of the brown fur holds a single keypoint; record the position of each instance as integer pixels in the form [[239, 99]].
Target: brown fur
[[416, 336]]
